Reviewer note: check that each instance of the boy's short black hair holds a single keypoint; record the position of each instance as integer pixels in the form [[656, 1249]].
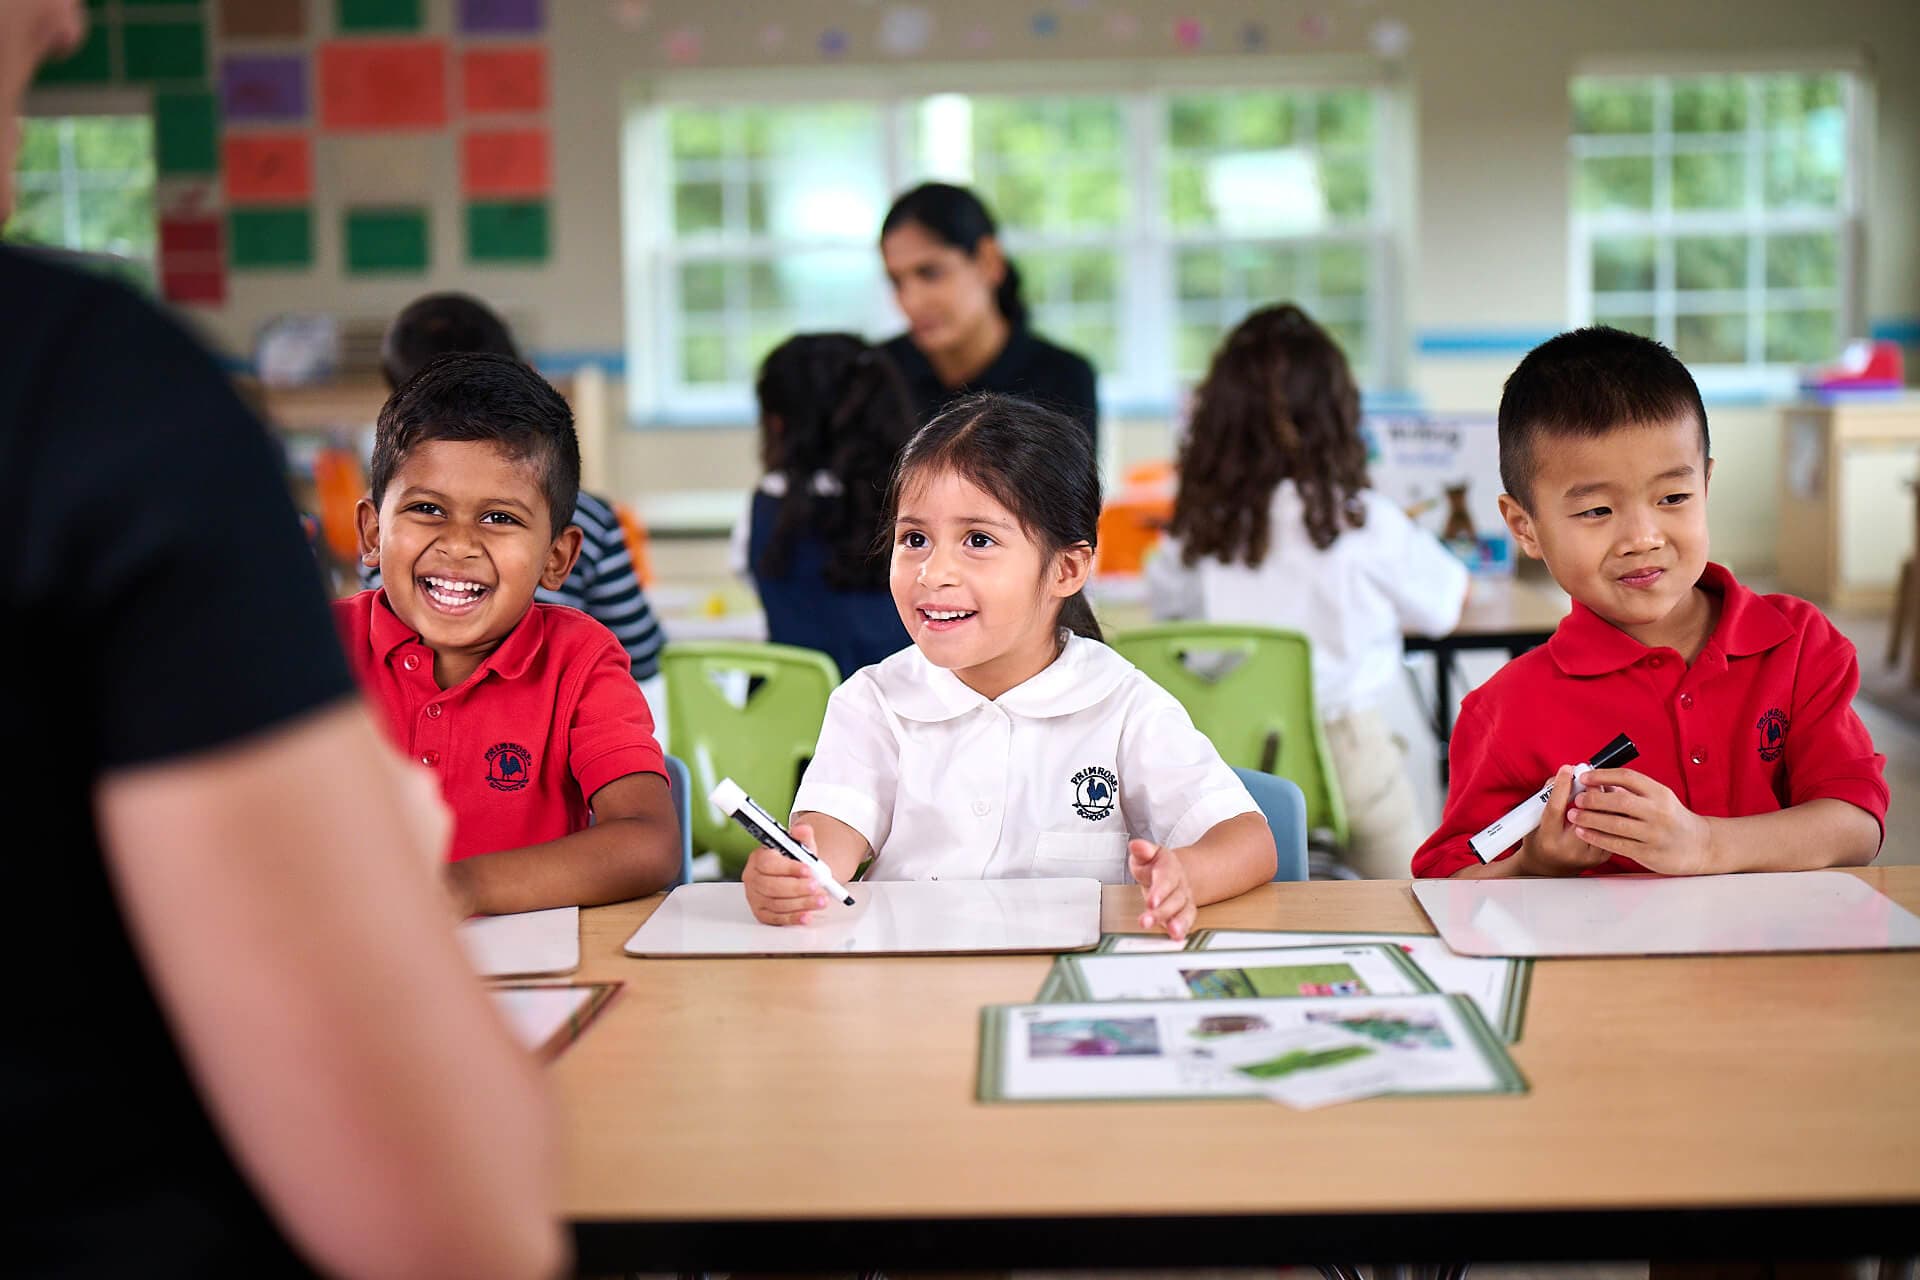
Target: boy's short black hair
[[493, 399], [1586, 383], [437, 325]]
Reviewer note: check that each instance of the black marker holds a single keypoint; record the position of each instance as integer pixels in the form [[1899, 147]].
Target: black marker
[[731, 799], [1513, 826]]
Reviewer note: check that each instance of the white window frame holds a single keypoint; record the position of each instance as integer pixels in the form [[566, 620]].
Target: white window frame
[[75, 103], [1663, 224], [1147, 312]]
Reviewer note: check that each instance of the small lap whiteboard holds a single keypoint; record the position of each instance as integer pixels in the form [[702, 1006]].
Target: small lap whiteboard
[[898, 917], [1666, 915], [525, 945]]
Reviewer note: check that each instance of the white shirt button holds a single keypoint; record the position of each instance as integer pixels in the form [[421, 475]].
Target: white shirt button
[[981, 808]]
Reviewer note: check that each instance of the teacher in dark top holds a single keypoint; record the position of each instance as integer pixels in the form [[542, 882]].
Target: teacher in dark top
[[966, 324]]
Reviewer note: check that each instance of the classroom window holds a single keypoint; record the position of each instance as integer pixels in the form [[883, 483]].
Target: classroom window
[[86, 183], [1145, 224], [1718, 213]]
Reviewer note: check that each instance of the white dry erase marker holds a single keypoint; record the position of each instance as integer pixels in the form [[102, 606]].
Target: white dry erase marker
[[732, 799], [1513, 826]]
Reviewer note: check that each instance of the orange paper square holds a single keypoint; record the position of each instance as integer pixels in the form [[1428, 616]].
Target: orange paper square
[[493, 81], [506, 162], [370, 85], [267, 167]]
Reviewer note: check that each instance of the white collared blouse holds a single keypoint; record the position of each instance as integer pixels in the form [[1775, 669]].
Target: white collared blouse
[[1050, 779]]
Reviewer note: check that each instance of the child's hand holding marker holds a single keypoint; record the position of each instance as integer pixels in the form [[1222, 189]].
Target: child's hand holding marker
[[780, 890], [1626, 812], [1554, 848], [1169, 897]]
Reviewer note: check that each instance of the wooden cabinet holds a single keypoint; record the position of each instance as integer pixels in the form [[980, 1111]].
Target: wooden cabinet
[[1846, 498]]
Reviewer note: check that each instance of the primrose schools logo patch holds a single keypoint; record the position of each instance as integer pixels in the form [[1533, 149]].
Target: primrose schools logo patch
[[508, 766], [1095, 792], [1773, 734]]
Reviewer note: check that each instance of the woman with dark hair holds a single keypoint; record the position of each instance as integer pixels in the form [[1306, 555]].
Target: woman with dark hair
[[966, 321], [833, 417], [1275, 523]]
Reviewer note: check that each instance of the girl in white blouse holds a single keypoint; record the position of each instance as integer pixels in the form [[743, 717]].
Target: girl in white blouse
[[1008, 740], [1275, 524]]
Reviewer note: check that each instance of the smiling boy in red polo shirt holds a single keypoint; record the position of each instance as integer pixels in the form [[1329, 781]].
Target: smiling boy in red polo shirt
[[528, 712], [1741, 705]]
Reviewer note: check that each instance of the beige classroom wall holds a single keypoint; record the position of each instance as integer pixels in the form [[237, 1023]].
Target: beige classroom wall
[[1486, 83]]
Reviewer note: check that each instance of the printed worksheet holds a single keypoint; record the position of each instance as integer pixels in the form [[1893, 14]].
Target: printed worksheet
[[1354, 969]]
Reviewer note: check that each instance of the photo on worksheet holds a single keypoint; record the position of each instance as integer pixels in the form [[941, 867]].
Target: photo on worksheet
[[1498, 986], [1316, 972], [1302, 1051]]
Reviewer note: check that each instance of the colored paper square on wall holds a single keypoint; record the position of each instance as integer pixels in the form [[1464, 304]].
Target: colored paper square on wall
[[506, 162], [165, 50], [190, 235], [264, 88], [186, 131], [271, 238], [477, 16], [384, 168], [507, 232], [268, 168], [91, 63], [389, 84], [503, 80], [386, 240], [378, 15], [263, 19]]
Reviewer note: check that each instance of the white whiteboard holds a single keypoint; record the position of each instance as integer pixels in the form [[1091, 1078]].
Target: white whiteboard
[[901, 917], [1666, 915], [525, 945]]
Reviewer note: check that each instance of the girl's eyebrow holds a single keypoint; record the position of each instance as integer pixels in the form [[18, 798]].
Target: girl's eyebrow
[[986, 520]]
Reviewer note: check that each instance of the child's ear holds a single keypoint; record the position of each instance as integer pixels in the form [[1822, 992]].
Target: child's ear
[[1520, 525], [561, 557], [1709, 479], [366, 521], [1072, 568], [992, 260]]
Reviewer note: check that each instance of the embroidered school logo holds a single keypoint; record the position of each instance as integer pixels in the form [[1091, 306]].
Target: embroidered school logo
[[508, 764], [1773, 734], [1095, 792]]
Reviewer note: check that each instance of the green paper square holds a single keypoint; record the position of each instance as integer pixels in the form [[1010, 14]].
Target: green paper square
[[514, 231], [271, 238], [386, 240], [186, 133], [165, 50], [379, 15], [91, 63]]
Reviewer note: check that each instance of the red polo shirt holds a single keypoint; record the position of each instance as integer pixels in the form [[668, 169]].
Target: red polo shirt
[[1763, 720], [549, 718]]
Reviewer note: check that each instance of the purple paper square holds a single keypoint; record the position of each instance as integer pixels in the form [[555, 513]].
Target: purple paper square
[[263, 88], [501, 15]]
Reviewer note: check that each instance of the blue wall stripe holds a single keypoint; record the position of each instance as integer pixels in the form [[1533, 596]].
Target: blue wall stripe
[[1480, 342], [1904, 330]]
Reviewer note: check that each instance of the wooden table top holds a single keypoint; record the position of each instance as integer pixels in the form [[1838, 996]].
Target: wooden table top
[[840, 1090], [1502, 606]]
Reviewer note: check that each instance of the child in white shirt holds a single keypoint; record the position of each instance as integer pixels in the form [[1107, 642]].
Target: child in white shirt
[[1275, 525], [1008, 741]]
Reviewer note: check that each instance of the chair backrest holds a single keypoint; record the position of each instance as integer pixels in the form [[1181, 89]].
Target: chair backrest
[[750, 712], [1285, 809], [634, 534], [1250, 690], [680, 783]]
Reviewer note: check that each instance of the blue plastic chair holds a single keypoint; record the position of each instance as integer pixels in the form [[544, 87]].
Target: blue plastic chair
[[680, 783], [1284, 806]]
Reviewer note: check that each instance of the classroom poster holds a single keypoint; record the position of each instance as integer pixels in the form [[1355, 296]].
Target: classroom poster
[[1445, 473]]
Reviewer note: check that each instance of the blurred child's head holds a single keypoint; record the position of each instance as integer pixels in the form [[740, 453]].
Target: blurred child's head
[[943, 256], [475, 471], [832, 404], [440, 324], [1605, 458], [993, 513], [1278, 403]]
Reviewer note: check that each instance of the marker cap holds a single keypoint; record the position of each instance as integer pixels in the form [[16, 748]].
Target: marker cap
[[728, 795]]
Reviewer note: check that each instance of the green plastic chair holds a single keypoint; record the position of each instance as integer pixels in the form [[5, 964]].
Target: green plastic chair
[[763, 745], [1258, 711]]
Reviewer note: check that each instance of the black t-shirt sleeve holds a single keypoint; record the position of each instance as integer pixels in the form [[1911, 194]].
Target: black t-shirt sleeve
[[163, 567], [1079, 394]]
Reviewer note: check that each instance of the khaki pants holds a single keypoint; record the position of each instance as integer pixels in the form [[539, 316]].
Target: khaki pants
[[1383, 825]]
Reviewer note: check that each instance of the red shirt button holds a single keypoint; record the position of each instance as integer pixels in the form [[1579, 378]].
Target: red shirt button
[[1655, 660], [1699, 755], [432, 758], [1686, 702], [433, 711], [411, 662]]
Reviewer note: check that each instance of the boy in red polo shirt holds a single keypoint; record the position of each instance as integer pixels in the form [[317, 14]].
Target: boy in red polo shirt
[[528, 712], [1741, 705]]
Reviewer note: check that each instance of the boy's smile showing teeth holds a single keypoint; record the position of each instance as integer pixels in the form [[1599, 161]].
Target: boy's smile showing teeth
[[453, 595]]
